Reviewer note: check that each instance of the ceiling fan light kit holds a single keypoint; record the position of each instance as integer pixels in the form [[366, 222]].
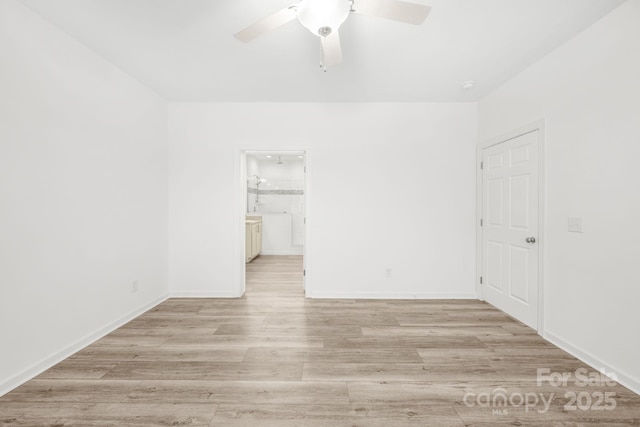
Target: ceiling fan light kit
[[324, 17]]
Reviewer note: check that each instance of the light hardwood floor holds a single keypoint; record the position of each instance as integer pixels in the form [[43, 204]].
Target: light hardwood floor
[[273, 358]]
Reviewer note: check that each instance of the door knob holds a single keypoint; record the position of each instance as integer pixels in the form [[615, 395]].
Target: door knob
[[530, 240]]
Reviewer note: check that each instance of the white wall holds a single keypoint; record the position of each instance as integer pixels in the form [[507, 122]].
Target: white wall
[[83, 195], [589, 92], [389, 185]]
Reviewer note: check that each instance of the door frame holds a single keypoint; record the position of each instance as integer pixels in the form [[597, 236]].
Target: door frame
[[240, 199], [540, 126]]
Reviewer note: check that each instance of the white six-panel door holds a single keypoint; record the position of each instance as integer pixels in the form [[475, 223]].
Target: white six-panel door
[[510, 253]]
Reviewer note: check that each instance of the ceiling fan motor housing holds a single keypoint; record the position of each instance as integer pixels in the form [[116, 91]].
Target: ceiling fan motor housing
[[322, 17]]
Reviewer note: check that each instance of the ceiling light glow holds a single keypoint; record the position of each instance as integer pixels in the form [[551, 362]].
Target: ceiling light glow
[[322, 17]]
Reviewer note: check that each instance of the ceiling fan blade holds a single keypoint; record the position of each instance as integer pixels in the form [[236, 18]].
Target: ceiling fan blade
[[267, 24], [397, 10], [331, 49]]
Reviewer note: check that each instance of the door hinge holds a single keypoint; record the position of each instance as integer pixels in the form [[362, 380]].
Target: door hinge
[[481, 280], [304, 221], [481, 222], [304, 272], [481, 165]]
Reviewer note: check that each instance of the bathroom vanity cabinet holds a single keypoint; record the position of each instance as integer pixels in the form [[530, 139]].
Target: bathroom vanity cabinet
[[253, 233]]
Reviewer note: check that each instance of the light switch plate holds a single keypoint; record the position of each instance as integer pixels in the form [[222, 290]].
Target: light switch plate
[[575, 224]]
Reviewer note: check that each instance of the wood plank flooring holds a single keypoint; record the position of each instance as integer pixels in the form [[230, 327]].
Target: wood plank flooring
[[274, 358]]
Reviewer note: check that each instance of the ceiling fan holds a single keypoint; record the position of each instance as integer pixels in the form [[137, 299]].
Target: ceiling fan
[[324, 17]]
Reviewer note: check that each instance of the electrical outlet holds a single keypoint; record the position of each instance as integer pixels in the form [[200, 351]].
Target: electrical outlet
[[388, 272], [134, 286]]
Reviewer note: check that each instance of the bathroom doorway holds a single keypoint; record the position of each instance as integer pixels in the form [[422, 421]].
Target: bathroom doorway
[[274, 205]]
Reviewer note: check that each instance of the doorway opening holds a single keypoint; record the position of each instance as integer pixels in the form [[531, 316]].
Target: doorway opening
[[274, 206]]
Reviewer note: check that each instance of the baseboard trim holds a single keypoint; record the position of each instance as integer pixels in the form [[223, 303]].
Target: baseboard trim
[[48, 362], [395, 295], [202, 294], [624, 379]]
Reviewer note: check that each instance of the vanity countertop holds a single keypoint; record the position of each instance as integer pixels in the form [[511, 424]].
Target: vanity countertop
[[253, 219]]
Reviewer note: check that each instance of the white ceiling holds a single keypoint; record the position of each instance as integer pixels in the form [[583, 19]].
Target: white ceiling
[[185, 49]]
